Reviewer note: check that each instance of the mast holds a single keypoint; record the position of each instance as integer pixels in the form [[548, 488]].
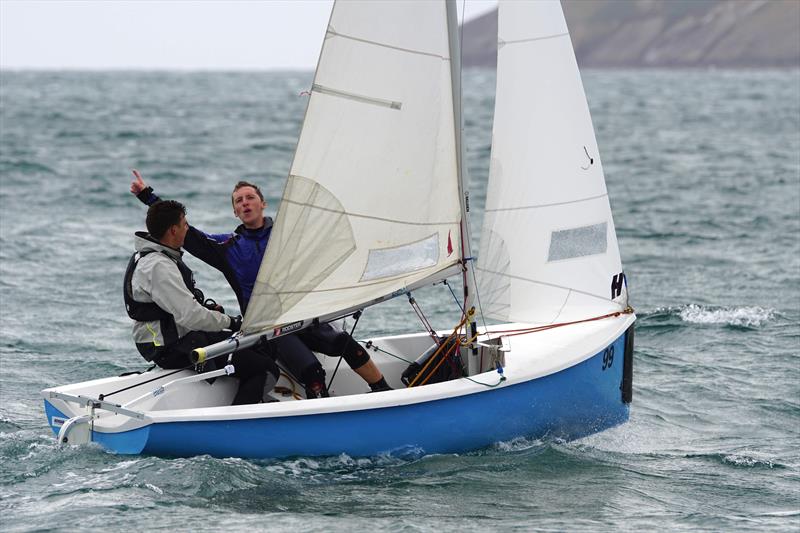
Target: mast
[[453, 33]]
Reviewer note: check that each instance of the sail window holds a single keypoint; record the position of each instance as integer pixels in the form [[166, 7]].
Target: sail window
[[578, 242], [387, 262]]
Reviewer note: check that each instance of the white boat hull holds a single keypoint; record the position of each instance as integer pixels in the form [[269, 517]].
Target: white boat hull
[[563, 383]]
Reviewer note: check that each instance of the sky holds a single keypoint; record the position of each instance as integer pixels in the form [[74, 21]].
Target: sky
[[177, 34]]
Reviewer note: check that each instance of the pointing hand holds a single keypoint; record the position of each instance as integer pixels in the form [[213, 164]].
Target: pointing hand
[[137, 185]]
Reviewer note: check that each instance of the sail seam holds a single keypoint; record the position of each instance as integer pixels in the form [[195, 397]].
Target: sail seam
[[545, 284], [370, 217], [383, 45], [357, 97], [546, 205], [367, 284], [501, 43]]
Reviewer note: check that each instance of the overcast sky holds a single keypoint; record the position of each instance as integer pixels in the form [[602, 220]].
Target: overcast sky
[[178, 34]]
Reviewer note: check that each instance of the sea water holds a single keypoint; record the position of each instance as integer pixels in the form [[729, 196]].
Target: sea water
[[703, 170]]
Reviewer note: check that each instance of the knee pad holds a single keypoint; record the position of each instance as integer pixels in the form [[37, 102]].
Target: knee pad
[[355, 355]]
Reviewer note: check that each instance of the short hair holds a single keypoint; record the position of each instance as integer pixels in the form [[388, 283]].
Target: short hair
[[241, 184], [162, 215]]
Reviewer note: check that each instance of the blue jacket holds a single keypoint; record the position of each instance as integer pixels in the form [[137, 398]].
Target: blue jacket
[[237, 255]]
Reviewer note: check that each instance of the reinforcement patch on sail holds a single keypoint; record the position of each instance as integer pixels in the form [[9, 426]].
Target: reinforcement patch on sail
[[578, 242], [312, 237], [387, 262]]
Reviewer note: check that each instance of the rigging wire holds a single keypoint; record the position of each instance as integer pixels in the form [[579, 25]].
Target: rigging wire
[[425, 323], [356, 316], [103, 396], [461, 307], [478, 299], [461, 34], [369, 345]]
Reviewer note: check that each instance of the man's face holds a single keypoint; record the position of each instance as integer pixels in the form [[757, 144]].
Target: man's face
[[179, 231], [248, 207]]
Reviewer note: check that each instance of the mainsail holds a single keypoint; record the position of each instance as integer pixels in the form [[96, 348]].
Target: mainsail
[[548, 248], [371, 205]]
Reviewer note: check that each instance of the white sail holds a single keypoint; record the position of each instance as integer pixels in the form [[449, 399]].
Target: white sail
[[548, 248], [371, 205]]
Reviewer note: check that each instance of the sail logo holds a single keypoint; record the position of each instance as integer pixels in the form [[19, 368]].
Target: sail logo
[[288, 327], [617, 283]]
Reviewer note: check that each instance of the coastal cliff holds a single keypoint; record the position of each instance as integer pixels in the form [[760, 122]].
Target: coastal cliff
[[661, 33]]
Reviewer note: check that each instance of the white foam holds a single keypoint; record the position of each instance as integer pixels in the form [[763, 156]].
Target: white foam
[[154, 488], [747, 460], [518, 444], [733, 316]]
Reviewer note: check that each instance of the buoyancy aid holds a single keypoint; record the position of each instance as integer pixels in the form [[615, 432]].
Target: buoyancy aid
[[150, 311]]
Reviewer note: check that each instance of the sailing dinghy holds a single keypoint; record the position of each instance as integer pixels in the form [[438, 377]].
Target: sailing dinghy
[[375, 207]]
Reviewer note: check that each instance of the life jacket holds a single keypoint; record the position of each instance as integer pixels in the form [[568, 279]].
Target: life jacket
[[150, 311]]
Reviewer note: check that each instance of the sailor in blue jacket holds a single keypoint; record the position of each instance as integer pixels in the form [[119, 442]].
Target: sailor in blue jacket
[[238, 256]]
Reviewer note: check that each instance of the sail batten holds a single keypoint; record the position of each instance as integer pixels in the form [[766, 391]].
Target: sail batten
[[357, 97], [371, 205]]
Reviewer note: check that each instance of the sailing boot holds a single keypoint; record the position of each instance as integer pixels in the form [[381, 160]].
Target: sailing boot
[[380, 385]]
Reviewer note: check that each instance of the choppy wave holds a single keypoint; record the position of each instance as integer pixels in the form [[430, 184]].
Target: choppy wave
[[520, 444], [732, 316], [744, 316], [738, 459]]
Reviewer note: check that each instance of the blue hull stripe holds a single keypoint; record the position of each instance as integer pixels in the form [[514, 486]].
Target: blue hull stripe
[[575, 402]]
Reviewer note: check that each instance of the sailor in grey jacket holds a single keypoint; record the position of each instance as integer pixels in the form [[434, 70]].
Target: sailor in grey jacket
[[157, 279], [169, 312]]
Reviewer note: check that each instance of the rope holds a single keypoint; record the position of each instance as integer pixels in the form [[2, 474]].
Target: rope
[[456, 345], [502, 379], [437, 352], [285, 390], [512, 332]]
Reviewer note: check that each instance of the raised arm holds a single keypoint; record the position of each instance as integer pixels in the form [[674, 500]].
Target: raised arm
[[141, 190], [207, 248]]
